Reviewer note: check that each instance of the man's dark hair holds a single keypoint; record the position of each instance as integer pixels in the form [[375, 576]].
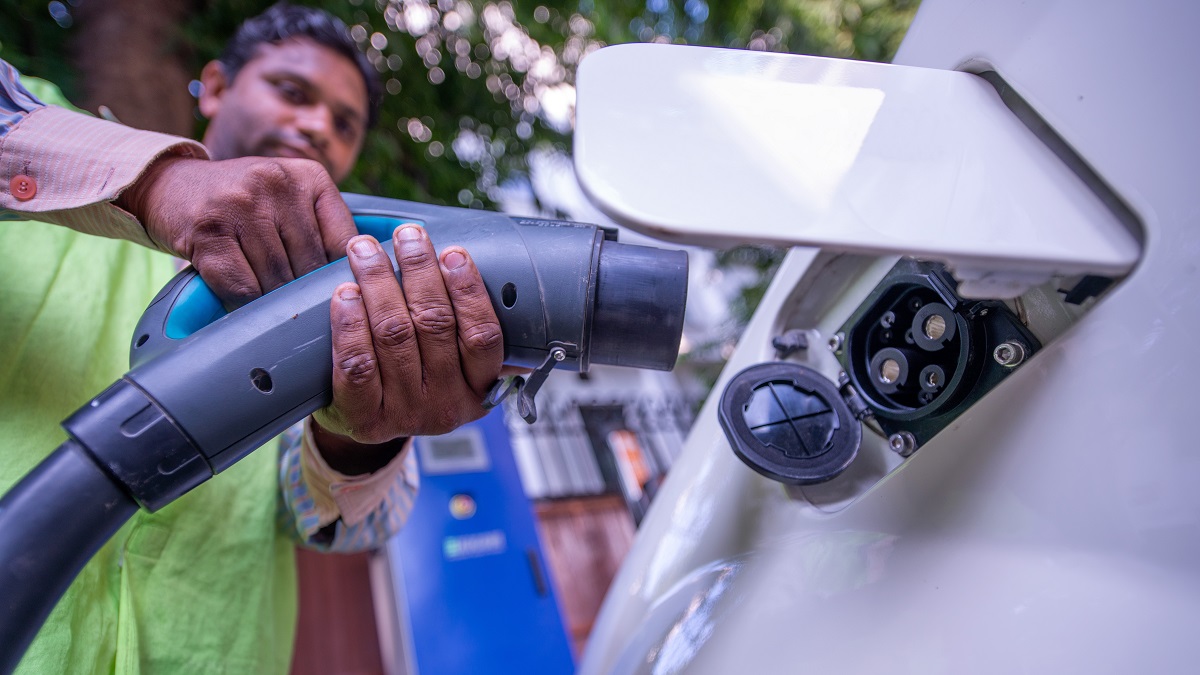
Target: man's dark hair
[[282, 21]]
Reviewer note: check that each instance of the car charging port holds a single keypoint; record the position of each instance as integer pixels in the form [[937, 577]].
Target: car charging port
[[913, 356], [920, 355]]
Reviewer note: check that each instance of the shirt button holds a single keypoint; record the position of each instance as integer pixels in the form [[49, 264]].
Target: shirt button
[[23, 187]]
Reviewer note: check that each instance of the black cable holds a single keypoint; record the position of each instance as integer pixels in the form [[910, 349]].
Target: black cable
[[51, 524]]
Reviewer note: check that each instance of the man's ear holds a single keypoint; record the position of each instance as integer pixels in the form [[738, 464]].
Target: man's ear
[[214, 85]]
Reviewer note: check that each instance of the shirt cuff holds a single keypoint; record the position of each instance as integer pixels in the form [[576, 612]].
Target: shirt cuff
[[321, 527], [79, 165], [352, 498]]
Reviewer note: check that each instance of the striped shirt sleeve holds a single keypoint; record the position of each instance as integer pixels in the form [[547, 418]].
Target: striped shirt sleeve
[[15, 99], [78, 163], [327, 511]]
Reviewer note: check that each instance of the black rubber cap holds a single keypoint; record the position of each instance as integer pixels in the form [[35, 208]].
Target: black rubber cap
[[789, 423]]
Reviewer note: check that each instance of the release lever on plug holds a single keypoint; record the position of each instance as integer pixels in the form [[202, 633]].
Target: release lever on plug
[[525, 390]]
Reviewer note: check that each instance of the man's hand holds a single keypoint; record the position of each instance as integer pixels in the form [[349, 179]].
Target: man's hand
[[248, 225], [407, 361]]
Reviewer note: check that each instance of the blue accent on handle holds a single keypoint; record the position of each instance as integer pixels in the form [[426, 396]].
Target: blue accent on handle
[[197, 306], [194, 308], [382, 227]]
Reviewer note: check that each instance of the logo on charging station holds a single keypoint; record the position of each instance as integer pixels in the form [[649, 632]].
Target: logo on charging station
[[474, 545], [462, 506]]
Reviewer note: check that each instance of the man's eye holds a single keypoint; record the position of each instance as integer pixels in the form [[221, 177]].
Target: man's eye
[[291, 93], [344, 127]]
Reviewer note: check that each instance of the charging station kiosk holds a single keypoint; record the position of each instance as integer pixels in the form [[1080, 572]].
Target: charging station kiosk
[[470, 587]]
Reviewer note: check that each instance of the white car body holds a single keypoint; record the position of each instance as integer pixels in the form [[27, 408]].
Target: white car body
[[1052, 528]]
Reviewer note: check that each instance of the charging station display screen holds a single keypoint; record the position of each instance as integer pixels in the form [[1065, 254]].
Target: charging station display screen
[[461, 451]]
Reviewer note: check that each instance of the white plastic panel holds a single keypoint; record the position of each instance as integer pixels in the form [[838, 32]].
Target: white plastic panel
[[1055, 528], [718, 147]]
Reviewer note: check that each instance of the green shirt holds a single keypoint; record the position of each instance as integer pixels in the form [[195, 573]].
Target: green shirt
[[207, 584]]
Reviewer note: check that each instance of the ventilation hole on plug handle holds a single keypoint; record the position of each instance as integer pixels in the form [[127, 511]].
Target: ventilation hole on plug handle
[[261, 380], [508, 295]]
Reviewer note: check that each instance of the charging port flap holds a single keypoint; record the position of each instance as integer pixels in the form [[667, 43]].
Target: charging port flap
[[718, 147]]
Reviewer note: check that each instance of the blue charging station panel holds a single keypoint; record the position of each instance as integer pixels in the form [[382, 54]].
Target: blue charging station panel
[[474, 591]]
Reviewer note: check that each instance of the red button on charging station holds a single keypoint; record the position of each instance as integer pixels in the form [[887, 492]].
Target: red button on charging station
[[462, 506]]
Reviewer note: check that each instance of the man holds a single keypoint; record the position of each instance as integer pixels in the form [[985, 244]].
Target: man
[[207, 583], [313, 95], [291, 83]]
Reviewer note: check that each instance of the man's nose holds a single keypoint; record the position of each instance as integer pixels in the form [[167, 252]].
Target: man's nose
[[316, 123]]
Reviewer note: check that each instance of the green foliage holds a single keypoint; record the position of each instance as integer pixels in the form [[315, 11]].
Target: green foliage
[[761, 261], [33, 41], [474, 85]]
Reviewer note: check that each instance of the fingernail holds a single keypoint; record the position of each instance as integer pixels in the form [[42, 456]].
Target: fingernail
[[409, 233], [364, 248], [454, 260], [349, 293]]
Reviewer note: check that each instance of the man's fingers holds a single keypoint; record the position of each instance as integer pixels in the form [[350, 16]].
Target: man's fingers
[[480, 341], [303, 242], [357, 388], [311, 226], [391, 326], [428, 302], [285, 213], [334, 221], [227, 273], [264, 250]]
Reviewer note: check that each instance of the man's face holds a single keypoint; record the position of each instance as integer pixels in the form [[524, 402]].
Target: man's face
[[296, 98]]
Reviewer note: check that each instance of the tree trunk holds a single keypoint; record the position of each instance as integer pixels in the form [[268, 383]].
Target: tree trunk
[[129, 57]]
